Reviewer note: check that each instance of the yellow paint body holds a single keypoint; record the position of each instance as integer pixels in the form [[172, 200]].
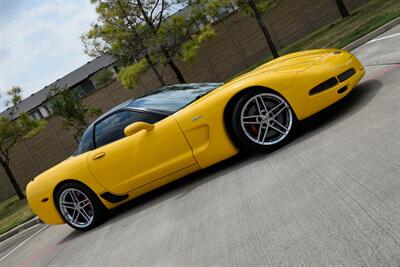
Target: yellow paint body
[[194, 137]]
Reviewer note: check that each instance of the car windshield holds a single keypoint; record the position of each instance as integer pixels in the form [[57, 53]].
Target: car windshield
[[173, 98]]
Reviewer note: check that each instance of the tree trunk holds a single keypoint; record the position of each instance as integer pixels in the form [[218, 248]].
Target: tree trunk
[[177, 71], [76, 139], [138, 37], [342, 8], [151, 64], [264, 29], [12, 179], [164, 50], [173, 66]]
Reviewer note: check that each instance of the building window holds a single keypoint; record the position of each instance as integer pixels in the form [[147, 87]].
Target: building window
[[44, 111], [36, 115], [84, 88], [40, 113]]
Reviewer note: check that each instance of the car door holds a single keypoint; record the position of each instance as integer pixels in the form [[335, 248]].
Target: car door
[[122, 164]]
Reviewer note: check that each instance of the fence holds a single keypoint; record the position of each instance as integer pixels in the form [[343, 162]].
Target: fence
[[237, 45]]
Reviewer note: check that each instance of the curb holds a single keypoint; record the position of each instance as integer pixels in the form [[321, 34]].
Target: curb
[[20, 228], [368, 37]]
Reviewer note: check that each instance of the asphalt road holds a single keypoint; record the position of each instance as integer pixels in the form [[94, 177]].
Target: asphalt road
[[331, 197]]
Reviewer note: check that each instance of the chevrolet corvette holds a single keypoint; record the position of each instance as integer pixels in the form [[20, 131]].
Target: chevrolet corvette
[[147, 142]]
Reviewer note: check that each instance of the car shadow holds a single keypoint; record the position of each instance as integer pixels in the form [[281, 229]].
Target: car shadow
[[357, 99], [342, 110], [322, 121]]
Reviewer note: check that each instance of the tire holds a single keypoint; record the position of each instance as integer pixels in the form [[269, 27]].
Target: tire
[[83, 217], [262, 120]]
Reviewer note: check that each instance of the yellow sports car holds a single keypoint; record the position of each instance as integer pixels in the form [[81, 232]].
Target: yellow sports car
[[147, 142]]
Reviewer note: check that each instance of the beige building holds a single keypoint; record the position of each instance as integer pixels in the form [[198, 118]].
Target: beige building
[[237, 45]]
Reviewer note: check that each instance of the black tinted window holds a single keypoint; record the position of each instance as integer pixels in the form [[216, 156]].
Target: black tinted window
[[86, 142], [175, 97], [112, 128]]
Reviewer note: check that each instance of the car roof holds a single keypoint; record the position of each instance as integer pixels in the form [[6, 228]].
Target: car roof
[[166, 91]]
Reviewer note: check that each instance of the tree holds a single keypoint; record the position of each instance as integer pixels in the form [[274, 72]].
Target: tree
[[342, 8], [129, 76], [261, 22], [153, 25], [102, 77], [117, 33], [255, 8], [181, 35], [12, 131], [145, 33], [66, 104]]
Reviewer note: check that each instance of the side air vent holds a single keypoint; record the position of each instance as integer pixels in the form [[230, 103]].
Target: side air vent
[[346, 75], [324, 86], [110, 197]]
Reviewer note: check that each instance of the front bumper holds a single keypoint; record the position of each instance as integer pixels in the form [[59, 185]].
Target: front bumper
[[45, 210], [305, 102]]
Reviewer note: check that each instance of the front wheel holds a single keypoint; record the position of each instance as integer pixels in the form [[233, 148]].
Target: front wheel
[[263, 121], [79, 206]]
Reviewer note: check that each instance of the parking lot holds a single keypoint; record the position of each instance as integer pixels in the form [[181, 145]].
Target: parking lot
[[331, 197]]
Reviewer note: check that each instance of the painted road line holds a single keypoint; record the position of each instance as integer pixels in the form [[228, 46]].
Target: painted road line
[[383, 38], [20, 245], [379, 74]]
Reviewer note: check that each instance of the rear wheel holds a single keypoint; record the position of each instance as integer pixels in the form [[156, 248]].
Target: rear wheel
[[79, 206], [262, 120]]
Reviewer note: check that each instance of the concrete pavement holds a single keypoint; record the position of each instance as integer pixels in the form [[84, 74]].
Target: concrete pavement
[[20, 228], [329, 198]]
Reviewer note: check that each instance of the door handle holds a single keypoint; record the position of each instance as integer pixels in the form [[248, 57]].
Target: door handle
[[99, 156]]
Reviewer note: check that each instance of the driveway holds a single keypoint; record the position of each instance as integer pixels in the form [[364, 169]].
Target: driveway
[[331, 197]]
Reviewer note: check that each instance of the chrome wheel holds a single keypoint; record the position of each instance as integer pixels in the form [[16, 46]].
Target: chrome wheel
[[76, 208], [266, 119]]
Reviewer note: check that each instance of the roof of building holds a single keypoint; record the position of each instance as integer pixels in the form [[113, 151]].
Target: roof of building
[[78, 75], [69, 80]]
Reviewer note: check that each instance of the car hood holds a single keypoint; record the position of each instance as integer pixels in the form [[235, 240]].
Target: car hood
[[294, 62]]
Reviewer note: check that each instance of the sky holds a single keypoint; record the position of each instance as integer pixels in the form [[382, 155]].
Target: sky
[[39, 42]]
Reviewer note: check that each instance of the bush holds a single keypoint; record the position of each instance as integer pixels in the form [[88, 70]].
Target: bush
[[102, 77], [129, 76]]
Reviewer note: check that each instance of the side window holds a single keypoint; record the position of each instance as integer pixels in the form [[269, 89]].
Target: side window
[[112, 128], [86, 142]]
